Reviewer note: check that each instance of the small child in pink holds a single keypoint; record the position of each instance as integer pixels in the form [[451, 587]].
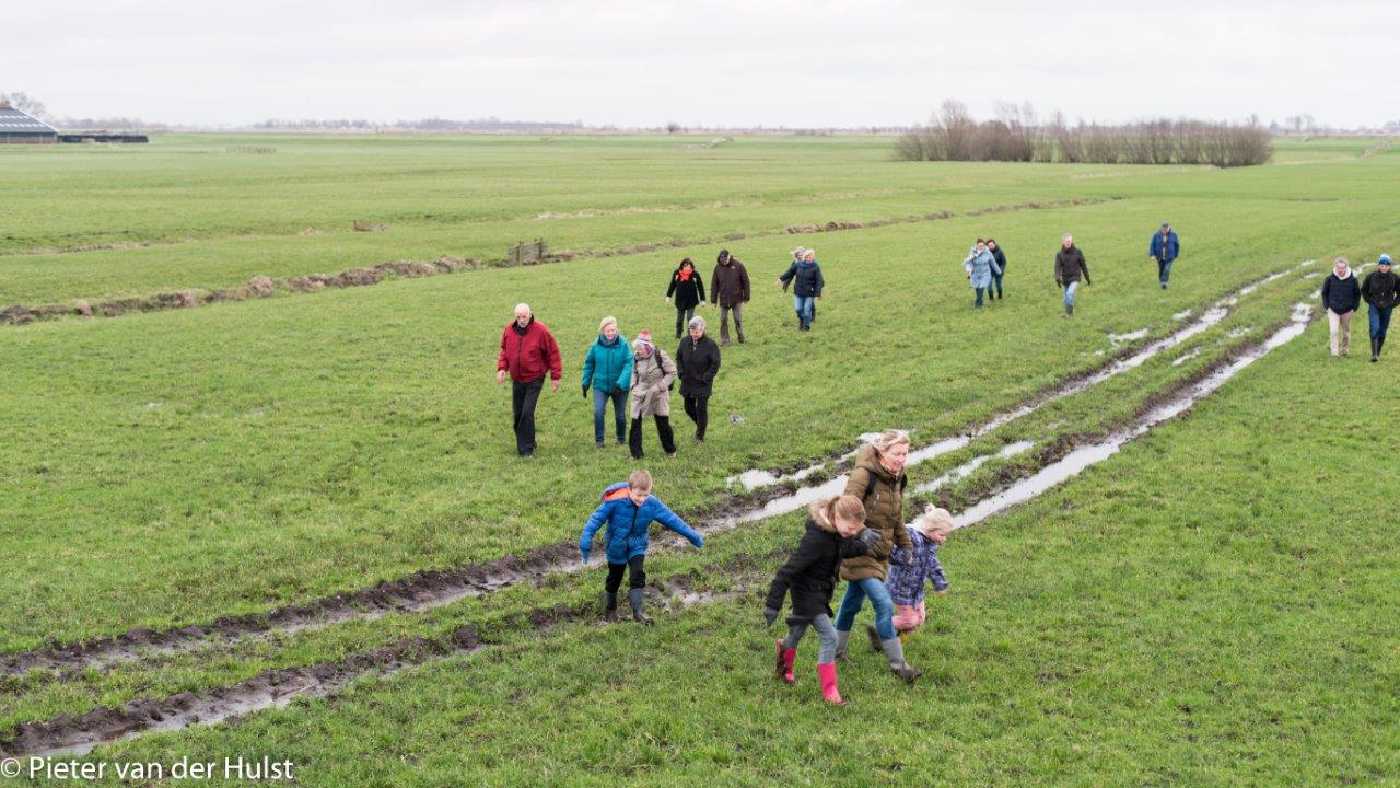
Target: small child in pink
[[920, 564]]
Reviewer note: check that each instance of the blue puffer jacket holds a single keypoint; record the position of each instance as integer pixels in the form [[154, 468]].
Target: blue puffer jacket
[[608, 367], [981, 265], [628, 525], [1164, 247], [808, 276]]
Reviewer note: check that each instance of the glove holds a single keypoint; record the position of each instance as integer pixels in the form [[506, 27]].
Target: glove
[[585, 392], [668, 299], [769, 616], [698, 541], [869, 538]]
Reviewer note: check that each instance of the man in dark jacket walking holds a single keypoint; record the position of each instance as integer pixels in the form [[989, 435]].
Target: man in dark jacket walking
[[729, 287], [528, 353], [806, 277], [1069, 267], [697, 362], [1000, 257], [1382, 292], [1164, 248], [1341, 295]]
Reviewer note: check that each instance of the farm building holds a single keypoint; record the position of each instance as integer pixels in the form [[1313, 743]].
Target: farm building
[[15, 126]]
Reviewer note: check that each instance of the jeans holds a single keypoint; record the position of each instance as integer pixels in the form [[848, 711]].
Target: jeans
[[738, 310], [636, 575], [805, 307], [698, 409], [996, 285], [600, 407], [1069, 293], [826, 633], [683, 317], [1340, 326], [1379, 320], [851, 603], [980, 292], [523, 398], [1164, 270], [663, 431]]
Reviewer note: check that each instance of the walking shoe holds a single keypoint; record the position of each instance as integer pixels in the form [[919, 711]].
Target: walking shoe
[[600, 444], [894, 652], [826, 673]]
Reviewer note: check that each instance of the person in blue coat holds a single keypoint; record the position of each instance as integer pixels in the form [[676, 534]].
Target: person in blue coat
[[607, 368], [629, 509], [806, 277], [980, 266], [1164, 248]]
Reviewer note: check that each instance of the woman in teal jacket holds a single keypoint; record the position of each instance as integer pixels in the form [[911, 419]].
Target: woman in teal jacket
[[607, 368]]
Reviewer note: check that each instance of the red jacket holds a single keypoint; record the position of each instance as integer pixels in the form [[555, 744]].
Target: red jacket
[[528, 357]]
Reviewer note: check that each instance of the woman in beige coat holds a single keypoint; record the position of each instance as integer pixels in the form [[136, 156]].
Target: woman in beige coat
[[653, 372]]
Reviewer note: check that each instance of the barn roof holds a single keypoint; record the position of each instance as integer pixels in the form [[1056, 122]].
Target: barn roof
[[13, 121]]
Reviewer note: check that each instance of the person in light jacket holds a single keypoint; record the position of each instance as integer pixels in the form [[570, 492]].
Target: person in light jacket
[[652, 376], [981, 266]]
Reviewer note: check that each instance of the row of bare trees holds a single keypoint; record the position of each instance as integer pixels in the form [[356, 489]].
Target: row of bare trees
[[1016, 134]]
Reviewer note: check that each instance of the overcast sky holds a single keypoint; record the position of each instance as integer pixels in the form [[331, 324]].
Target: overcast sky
[[702, 63]]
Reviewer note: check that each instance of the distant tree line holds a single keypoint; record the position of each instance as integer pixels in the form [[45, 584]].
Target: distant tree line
[[421, 124], [1017, 135]]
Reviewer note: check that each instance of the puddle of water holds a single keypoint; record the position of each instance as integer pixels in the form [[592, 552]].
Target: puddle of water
[[1123, 339], [966, 469], [752, 480], [1081, 458], [1185, 357], [1180, 316]]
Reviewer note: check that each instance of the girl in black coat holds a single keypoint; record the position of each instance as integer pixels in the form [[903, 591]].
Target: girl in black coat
[[835, 530], [688, 289], [1000, 257]]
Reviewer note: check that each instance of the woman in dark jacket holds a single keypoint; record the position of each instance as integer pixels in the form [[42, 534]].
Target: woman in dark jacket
[[1000, 257], [1382, 292], [835, 530], [688, 289], [1341, 295], [697, 363]]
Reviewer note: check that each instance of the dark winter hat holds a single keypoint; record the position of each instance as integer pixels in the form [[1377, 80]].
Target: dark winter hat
[[1383, 260]]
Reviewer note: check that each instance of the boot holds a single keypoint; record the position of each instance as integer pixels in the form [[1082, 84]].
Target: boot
[[875, 642], [894, 652], [739, 333], [843, 637], [609, 606], [1375, 350], [635, 597], [1069, 310], [783, 667], [826, 672]]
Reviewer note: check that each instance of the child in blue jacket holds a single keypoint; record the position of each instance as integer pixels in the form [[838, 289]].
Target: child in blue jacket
[[629, 509], [918, 566]]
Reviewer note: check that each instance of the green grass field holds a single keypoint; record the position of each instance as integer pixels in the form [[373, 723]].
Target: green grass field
[[1214, 604]]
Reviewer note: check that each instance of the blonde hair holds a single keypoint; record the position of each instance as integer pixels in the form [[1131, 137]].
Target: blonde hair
[[639, 480], [936, 520], [1343, 261], [606, 321], [889, 439], [845, 507]]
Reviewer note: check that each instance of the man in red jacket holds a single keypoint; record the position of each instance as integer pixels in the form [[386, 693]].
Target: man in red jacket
[[528, 351]]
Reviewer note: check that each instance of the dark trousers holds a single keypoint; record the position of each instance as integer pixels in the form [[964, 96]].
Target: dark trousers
[[698, 409], [663, 431], [980, 291], [996, 285], [523, 398], [1164, 270], [683, 317], [1378, 321], [636, 575]]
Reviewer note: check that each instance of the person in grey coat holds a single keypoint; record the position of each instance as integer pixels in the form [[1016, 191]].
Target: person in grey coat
[[980, 265], [653, 373]]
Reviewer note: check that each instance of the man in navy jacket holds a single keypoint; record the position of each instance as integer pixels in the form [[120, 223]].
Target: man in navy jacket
[[1164, 248]]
